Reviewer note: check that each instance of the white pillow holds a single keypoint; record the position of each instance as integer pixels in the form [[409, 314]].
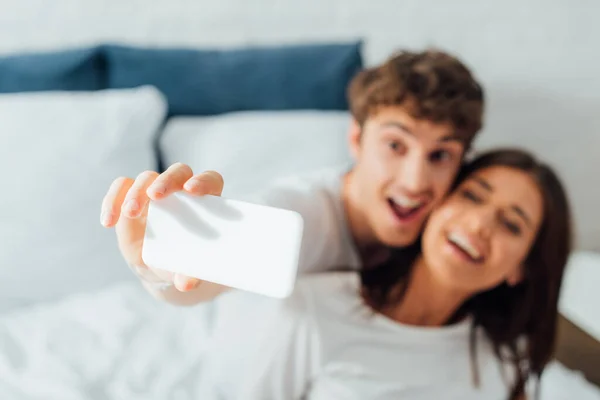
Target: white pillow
[[579, 297], [59, 153], [250, 149]]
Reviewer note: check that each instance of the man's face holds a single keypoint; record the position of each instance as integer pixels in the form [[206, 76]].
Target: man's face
[[403, 168]]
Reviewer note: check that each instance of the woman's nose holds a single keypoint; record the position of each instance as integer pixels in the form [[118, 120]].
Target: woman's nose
[[481, 221]]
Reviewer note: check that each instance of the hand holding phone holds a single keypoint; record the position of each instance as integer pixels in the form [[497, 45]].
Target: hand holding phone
[[233, 243]]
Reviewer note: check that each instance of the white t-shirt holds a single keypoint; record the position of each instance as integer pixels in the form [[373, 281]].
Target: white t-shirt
[[327, 242], [323, 343]]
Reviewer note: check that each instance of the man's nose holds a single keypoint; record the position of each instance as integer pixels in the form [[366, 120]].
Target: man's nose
[[414, 176]]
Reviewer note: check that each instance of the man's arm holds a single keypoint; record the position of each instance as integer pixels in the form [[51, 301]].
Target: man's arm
[[205, 291], [281, 196]]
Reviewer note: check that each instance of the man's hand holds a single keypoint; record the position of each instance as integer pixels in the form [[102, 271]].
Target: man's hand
[[125, 207]]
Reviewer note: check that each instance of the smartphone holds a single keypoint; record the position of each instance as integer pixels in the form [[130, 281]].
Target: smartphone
[[233, 243]]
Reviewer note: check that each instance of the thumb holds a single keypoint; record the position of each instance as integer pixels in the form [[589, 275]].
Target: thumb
[[209, 182], [185, 283]]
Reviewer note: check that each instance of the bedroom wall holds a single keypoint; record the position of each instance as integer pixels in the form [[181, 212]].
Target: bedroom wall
[[504, 39], [538, 58]]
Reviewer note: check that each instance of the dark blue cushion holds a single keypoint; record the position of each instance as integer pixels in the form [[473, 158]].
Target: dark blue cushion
[[207, 82], [79, 69]]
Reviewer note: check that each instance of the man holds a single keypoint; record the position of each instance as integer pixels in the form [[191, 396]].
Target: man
[[414, 117]]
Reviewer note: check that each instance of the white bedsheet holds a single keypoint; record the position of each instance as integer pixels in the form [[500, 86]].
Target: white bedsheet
[[120, 344]]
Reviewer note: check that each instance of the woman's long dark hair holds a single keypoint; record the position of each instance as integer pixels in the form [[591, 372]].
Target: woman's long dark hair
[[508, 314]]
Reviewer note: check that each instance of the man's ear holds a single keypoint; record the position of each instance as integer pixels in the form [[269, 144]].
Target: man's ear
[[469, 154], [354, 136]]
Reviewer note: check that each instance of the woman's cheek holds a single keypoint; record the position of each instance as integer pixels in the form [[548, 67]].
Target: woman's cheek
[[442, 215]]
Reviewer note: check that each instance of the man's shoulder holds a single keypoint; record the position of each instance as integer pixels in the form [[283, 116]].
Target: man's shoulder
[[315, 194], [304, 188], [324, 179], [317, 197]]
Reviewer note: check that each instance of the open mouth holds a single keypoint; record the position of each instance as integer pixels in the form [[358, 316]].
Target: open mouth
[[405, 209], [464, 247]]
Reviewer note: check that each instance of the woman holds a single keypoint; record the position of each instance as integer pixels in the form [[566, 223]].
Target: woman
[[469, 312]]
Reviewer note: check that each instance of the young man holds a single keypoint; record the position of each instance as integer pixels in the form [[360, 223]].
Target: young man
[[414, 117]]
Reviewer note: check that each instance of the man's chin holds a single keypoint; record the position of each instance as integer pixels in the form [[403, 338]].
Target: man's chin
[[393, 238]]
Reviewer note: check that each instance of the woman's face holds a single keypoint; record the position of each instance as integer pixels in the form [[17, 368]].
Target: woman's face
[[481, 235]]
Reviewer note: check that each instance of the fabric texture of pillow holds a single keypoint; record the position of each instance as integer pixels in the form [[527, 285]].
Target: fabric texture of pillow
[[60, 152], [251, 149], [76, 70], [209, 82]]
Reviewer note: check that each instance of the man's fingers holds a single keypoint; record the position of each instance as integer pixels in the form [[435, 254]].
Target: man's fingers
[[170, 181], [136, 198], [209, 182], [113, 201], [185, 283]]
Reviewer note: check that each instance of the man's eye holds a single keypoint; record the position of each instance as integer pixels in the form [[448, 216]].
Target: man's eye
[[396, 146], [440, 156]]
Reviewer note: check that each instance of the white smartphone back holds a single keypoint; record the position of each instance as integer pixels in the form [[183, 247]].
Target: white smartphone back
[[229, 242]]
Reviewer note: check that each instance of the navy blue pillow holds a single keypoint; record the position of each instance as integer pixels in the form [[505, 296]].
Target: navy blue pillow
[[208, 82], [79, 69]]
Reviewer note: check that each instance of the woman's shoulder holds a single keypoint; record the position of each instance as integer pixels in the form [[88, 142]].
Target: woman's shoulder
[[329, 285], [326, 295]]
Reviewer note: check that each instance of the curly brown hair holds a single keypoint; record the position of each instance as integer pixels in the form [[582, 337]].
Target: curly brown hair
[[430, 85]]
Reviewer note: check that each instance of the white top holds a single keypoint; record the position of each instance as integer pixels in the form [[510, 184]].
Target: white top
[[327, 242], [323, 343], [580, 297]]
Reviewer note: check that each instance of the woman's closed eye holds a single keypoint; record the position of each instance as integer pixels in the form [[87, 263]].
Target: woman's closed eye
[[471, 196], [513, 227]]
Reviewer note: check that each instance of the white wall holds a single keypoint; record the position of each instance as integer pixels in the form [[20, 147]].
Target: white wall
[[534, 40], [539, 59]]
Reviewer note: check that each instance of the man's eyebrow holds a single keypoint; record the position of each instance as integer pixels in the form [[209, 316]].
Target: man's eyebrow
[[398, 125], [406, 129], [451, 138]]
